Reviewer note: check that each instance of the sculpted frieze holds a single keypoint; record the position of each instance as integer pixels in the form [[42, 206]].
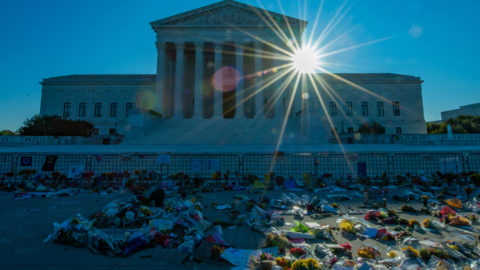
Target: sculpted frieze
[[226, 16]]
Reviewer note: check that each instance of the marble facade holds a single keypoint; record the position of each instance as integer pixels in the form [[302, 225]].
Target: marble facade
[[211, 64]]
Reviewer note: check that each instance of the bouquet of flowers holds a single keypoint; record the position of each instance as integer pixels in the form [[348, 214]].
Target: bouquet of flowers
[[283, 262], [392, 254], [297, 252], [265, 257], [307, 264], [427, 223], [368, 252], [412, 223], [411, 252], [347, 226]]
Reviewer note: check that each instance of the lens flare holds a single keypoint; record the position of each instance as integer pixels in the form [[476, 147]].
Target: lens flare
[[306, 60]]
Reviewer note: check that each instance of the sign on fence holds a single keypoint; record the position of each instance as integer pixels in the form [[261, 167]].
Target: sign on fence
[[49, 164], [75, 171], [163, 159], [362, 169], [450, 165], [198, 165]]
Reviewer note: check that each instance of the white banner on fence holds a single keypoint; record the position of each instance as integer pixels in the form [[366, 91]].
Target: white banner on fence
[[75, 171], [197, 165], [163, 159], [450, 165]]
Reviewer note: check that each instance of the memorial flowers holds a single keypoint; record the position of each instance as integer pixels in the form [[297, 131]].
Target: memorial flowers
[[297, 252], [411, 252], [307, 264], [427, 223], [368, 252], [283, 262], [347, 226], [412, 223]]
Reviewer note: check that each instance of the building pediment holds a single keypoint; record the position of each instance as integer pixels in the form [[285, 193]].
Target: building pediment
[[227, 14]]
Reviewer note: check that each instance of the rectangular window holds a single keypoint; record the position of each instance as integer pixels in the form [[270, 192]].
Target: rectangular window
[[396, 108], [380, 109], [364, 108], [333, 109], [398, 130], [66, 109], [113, 109], [128, 108], [98, 110], [349, 108], [82, 109]]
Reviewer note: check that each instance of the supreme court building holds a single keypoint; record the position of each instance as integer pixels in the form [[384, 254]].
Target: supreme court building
[[217, 83]]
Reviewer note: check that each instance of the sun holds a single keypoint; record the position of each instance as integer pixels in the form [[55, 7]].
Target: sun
[[306, 60]]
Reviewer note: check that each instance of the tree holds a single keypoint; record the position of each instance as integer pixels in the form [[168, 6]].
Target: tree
[[462, 124], [7, 132], [373, 128], [54, 126]]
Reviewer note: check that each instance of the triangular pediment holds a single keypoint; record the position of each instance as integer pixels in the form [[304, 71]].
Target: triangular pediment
[[227, 13]]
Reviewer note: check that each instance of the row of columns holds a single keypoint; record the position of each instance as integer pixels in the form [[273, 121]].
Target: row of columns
[[198, 83]]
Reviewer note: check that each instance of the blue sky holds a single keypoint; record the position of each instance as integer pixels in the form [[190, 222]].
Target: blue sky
[[437, 40]]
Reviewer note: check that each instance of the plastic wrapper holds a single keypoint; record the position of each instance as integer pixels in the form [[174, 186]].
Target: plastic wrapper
[[299, 227], [298, 235], [447, 211], [455, 203], [459, 221], [323, 233]]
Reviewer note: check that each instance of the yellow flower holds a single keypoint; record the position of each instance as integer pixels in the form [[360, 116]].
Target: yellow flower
[[412, 222], [308, 264], [411, 251], [392, 254], [426, 223]]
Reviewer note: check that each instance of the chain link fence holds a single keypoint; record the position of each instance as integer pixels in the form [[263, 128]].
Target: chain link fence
[[373, 165]]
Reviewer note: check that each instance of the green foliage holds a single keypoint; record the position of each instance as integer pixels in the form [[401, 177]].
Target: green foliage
[[461, 125], [7, 132], [54, 126], [373, 128]]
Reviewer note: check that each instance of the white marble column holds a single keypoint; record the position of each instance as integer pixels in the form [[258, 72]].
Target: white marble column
[[179, 70], [160, 80], [239, 91], [218, 94], [259, 112], [198, 91], [278, 94]]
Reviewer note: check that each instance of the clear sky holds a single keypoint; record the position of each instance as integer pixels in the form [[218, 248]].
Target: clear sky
[[437, 40]]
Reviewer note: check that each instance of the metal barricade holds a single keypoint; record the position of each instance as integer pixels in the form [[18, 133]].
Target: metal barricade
[[422, 163]]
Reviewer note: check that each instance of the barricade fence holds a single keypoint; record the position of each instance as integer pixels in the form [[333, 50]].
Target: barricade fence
[[338, 165]]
